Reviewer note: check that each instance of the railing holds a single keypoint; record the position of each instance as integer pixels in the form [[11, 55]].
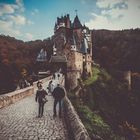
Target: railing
[[12, 97], [75, 126]]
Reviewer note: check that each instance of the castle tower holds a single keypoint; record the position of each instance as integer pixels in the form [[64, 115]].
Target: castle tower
[[42, 56], [67, 21], [88, 55], [76, 23]]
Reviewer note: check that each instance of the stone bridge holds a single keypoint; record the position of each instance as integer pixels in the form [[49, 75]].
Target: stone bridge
[[19, 121]]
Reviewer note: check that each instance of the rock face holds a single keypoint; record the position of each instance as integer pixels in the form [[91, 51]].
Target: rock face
[[74, 124]]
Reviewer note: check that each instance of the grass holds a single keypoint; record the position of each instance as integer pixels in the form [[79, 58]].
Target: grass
[[94, 77], [96, 74], [95, 125]]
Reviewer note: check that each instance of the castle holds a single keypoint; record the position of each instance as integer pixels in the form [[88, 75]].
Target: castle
[[72, 49], [73, 45]]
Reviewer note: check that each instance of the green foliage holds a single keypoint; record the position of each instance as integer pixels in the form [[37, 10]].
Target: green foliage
[[16, 53], [97, 74], [108, 95], [95, 124], [112, 99], [94, 77]]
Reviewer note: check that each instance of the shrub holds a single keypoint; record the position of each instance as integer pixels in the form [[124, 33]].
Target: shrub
[[95, 125]]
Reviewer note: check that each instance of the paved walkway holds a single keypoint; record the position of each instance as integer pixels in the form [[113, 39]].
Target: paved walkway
[[19, 122]]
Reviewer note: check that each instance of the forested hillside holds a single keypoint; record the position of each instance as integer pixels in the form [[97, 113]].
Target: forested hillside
[[117, 49], [106, 108], [16, 54]]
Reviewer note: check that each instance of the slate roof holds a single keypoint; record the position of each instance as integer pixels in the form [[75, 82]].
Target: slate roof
[[58, 58], [77, 23], [42, 56]]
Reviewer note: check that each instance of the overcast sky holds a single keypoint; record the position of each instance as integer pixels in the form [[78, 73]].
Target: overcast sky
[[35, 19]]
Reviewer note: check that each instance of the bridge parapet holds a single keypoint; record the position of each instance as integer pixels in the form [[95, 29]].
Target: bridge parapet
[[74, 123], [12, 97]]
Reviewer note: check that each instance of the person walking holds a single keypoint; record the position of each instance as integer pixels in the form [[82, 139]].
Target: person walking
[[58, 94], [50, 87], [39, 83], [54, 76], [40, 98]]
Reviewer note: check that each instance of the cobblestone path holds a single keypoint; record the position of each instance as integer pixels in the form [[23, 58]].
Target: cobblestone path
[[19, 122]]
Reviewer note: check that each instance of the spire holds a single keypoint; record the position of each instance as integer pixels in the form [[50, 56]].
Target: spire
[[76, 12], [55, 26], [42, 56], [54, 49], [73, 44], [76, 23], [84, 46]]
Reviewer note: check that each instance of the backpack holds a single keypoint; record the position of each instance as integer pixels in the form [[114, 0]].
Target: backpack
[[58, 93]]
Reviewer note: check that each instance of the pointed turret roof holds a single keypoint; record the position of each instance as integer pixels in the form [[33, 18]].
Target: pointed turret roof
[[55, 26], [84, 46], [42, 56], [77, 23]]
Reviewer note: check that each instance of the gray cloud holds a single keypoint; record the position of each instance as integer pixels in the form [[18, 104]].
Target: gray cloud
[[116, 14]]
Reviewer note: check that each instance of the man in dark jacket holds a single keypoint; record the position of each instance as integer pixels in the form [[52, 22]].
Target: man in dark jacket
[[58, 94], [40, 95]]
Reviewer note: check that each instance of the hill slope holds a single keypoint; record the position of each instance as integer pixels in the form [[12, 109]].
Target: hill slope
[[15, 54], [117, 49]]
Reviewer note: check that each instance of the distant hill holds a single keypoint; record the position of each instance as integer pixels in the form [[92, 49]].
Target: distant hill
[[15, 54], [13, 51], [117, 49]]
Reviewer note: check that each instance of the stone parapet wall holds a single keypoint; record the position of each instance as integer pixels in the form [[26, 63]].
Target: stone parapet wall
[[74, 123], [12, 97]]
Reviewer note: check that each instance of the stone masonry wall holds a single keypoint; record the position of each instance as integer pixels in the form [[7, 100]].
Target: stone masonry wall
[[74, 124], [88, 59], [72, 77], [75, 61], [12, 97]]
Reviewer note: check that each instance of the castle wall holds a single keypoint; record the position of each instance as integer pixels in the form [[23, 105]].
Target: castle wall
[[72, 77], [74, 68], [79, 61], [88, 60], [59, 40], [88, 57], [75, 61], [78, 37]]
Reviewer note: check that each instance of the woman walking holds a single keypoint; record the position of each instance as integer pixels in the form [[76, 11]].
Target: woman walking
[[40, 98]]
